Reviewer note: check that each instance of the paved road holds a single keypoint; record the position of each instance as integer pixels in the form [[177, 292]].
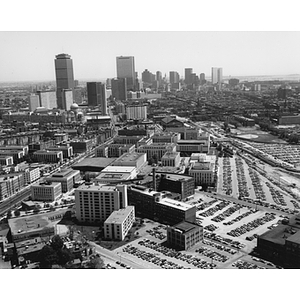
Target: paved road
[[116, 256]]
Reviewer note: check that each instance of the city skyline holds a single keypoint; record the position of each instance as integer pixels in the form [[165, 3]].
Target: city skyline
[[237, 53]]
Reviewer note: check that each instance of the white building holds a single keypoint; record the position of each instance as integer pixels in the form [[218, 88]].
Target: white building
[[50, 191], [31, 175], [119, 223], [171, 159], [136, 112], [112, 174], [6, 160], [95, 203], [134, 159], [216, 75]]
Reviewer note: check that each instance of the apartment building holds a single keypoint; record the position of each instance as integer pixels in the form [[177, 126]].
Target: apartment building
[[46, 191], [48, 156]]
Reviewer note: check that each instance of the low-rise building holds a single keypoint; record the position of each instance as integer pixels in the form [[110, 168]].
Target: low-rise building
[[184, 235], [67, 178], [157, 149], [176, 183], [171, 159], [156, 206], [18, 155], [169, 137], [66, 150], [187, 147], [80, 146], [6, 160], [24, 149], [46, 191], [133, 159], [10, 184], [113, 150], [31, 174], [48, 156], [113, 174], [119, 223]]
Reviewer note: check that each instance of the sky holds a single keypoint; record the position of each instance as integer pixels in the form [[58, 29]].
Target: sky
[[29, 55]]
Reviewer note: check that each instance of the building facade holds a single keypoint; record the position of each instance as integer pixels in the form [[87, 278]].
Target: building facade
[[126, 69], [46, 191]]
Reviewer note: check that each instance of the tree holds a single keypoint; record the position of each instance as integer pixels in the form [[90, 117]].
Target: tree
[[56, 242], [95, 263], [64, 256], [47, 257], [17, 213], [9, 214]]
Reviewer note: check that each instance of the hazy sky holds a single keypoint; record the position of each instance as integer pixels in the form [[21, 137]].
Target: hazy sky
[[30, 55]]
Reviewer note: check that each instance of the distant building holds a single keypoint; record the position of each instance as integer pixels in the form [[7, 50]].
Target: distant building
[[184, 235], [10, 184], [95, 203], [119, 88], [66, 178], [136, 112], [96, 93], [119, 223], [233, 82], [34, 102], [32, 174], [67, 150], [156, 149], [113, 174], [50, 191], [166, 137], [174, 77], [288, 120], [64, 76], [133, 159], [80, 146], [202, 79], [188, 75], [126, 69], [6, 160], [113, 150], [216, 75], [192, 146], [47, 99], [48, 156], [170, 159]]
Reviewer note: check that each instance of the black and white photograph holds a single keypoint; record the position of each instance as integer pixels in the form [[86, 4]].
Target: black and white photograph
[[144, 149]]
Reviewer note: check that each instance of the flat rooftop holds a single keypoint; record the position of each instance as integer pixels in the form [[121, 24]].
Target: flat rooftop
[[46, 184], [64, 173], [118, 216], [118, 169], [112, 176], [170, 155], [47, 151], [175, 177], [130, 157], [175, 204], [185, 226], [98, 162], [192, 141], [37, 222], [96, 188]]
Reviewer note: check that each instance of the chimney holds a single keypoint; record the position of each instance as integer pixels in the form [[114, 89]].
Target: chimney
[[154, 179]]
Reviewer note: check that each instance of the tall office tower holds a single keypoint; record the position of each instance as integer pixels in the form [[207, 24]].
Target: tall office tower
[[96, 94], [34, 102], [119, 88], [47, 99], [202, 78], [64, 76], [174, 77], [159, 77], [108, 83], [187, 75], [216, 75], [67, 99], [147, 77], [126, 69]]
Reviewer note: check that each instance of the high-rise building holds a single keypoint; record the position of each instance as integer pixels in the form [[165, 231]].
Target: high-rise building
[[64, 76], [34, 102], [188, 75], [174, 77], [136, 112], [147, 76], [47, 99], [159, 77], [67, 99], [119, 88], [126, 69], [216, 75], [96, 93], [202, 78]]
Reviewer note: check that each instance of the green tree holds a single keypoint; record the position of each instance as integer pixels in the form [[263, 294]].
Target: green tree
[[47, 257], [9, 214], [57, 243], [64, 256]]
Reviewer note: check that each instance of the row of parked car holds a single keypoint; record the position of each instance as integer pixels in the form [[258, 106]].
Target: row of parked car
[[211, 227], [223, 240], [277, 196], [189, 258], [227, 213], [152, 258], [219, 247], [240, 217], [227, 176], [240, 264], [256, 182], [156, 233], [241, 178], [211, 211], [205, 205], [212, 254], [252, 225]]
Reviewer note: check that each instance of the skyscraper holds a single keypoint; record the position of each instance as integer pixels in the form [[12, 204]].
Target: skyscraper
[[158, 77], [216, 75], [119, 88], [202, 78], [64, 76], [96, 94], [126, 69], [187, 75], [174, 77]]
